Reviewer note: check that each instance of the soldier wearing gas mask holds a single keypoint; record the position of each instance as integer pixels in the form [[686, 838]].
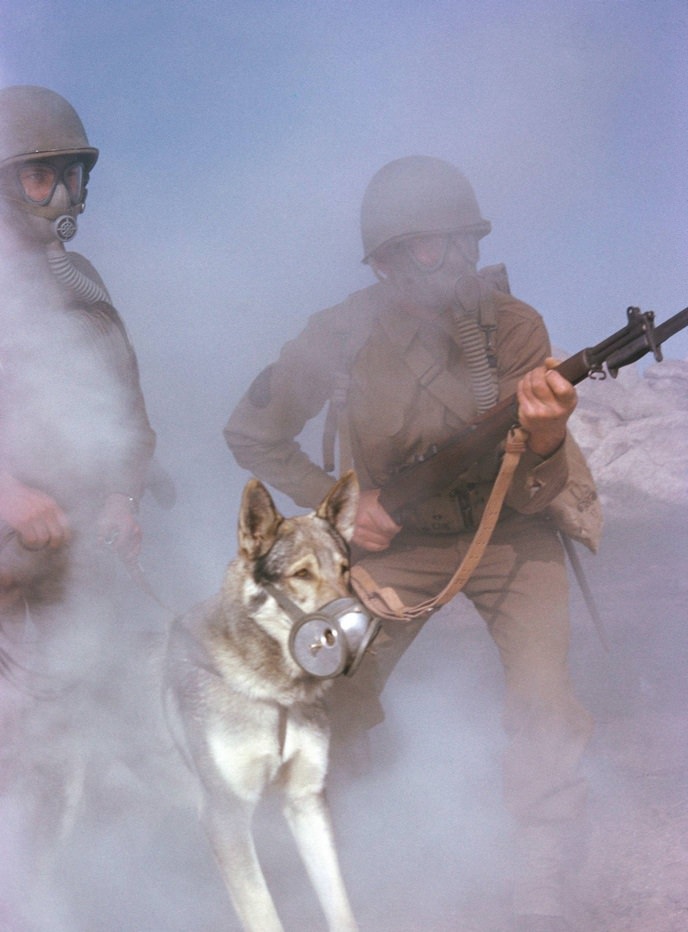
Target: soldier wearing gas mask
[[405, 364], [56, 305], [75, 446]]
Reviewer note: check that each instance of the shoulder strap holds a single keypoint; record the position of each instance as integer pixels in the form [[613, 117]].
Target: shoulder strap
[[353, 339], [432, 375], [474, 330], [477, 331]]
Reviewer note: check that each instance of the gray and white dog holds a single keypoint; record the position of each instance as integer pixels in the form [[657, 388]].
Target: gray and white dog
[[250, 716]]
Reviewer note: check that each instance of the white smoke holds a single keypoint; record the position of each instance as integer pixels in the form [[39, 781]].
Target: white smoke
[[224, 209], [63, 407]]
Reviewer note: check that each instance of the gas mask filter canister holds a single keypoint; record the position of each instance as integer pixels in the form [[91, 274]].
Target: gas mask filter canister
[[331, 640], [334, 639]]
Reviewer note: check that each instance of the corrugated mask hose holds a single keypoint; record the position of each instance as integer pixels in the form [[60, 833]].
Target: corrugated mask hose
[[81, 285], [482, 374]]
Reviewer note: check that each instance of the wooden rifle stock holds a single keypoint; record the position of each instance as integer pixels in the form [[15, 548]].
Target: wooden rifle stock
[[436, 472]]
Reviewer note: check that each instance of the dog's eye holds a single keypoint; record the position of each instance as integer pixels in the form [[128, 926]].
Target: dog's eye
[[303, 573]]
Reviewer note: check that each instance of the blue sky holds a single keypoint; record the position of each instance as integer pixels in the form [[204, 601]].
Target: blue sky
[[237, 138], [247, 132]]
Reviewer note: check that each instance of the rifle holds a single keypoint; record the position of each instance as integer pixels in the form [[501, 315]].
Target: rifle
[[434, 472]]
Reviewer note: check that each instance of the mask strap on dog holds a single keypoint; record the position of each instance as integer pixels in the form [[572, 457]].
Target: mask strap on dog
[[284, 602]]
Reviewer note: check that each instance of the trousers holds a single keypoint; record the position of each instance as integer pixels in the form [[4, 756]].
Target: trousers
[[520, 589]]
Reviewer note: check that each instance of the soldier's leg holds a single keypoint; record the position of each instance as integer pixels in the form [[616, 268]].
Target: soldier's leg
[[521, 590], [17, 862], [416, 567]]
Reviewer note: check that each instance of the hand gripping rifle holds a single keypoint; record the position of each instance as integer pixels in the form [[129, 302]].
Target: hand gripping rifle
[[436, 471]]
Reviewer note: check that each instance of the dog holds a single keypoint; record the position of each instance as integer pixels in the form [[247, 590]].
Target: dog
[[250, 715]]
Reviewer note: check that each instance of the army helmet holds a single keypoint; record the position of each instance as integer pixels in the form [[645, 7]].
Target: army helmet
[[38, 123], [417, 195]]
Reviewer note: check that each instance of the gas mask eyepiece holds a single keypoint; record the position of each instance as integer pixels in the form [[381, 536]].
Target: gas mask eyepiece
[[38, 180]]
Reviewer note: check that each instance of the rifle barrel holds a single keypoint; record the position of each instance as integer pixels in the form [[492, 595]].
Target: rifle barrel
[[421, 480], [672, 326], [645, 343]]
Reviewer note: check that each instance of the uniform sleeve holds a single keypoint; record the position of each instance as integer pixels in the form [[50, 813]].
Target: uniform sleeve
[[130, 462], [262, 430], [139, 452], [538, 481], [131, 459]]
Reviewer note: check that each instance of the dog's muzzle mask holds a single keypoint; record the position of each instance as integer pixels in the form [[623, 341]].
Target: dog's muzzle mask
[[331, 640]]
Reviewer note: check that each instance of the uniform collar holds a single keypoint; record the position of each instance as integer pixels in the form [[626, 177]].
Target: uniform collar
[[402, 326]]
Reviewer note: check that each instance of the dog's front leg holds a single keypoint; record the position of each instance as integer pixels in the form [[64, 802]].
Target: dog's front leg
[[309, 820], [228, 824]]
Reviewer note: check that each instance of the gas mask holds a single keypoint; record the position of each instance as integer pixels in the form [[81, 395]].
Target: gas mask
[[425, 269], [51, 194], [331, 640]]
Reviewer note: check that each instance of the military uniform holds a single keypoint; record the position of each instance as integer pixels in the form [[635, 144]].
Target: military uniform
[[74, 421], [520, 586], [74, 426], [75, 446]]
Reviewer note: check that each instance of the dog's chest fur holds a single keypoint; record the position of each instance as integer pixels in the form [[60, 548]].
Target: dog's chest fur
[[244, 697]]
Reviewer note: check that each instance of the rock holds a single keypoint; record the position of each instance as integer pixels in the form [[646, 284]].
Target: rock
[[634, 433]]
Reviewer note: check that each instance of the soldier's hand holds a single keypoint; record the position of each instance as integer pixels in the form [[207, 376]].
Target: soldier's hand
[[35, 516], [546, 400], [374, 527], [118, 527]]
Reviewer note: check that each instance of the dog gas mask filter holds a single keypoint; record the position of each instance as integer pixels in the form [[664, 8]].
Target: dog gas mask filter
[[331, 640]]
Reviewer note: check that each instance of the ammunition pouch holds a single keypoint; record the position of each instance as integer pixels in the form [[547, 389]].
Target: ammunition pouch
[[452, 512]]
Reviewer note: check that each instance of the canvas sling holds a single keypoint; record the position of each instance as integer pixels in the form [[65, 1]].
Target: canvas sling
[[384, 602]]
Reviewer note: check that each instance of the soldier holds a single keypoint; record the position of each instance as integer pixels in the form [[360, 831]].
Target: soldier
[[75, 446], [408, 362]]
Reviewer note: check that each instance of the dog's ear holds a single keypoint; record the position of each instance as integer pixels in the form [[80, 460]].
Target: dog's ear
[[340, 504], [258, 520]]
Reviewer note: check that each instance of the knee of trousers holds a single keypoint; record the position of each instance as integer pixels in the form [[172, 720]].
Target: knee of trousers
[[547, 711], [542, 780]]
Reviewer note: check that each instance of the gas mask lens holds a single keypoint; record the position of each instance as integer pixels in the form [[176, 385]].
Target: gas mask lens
[[39, 179], [427, 253], [424, 254]]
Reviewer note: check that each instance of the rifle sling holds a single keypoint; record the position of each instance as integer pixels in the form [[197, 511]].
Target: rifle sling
[[384, 602]]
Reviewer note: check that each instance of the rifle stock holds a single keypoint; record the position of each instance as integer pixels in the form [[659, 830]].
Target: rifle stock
[[435, 472]]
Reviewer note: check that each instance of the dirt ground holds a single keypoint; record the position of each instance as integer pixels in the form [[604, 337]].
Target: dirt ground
[[635, 878]]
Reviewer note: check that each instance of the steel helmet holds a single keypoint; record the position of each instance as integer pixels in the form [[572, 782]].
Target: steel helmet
[[416, 195], [37, 123]]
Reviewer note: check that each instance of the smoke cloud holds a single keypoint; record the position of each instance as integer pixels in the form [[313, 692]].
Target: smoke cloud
[[224, 209]]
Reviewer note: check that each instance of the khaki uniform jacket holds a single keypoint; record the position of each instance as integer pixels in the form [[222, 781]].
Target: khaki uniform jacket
[[74, 420], [392, 417]]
